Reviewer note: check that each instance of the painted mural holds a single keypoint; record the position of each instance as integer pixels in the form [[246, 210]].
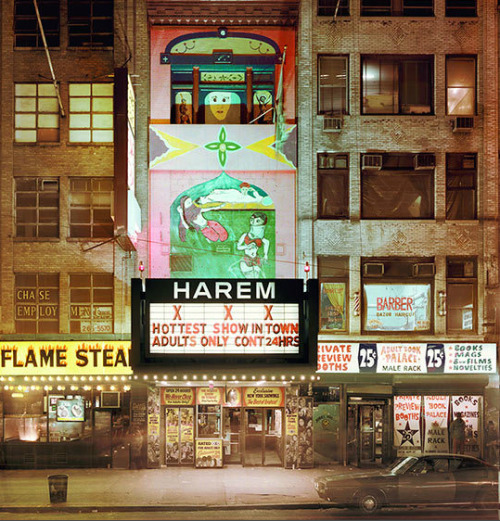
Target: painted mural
[[222, 186]]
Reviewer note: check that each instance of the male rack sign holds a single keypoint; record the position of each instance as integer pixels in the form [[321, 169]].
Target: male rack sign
[[220, 317]]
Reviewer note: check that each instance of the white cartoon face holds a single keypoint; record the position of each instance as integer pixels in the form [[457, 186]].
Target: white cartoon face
[[219, 103]]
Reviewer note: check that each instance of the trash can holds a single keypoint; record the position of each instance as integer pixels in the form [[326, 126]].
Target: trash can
[[58, 488]]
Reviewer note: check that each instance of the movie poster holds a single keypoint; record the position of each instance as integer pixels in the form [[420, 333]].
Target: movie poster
[[407, 425], [436, 424]]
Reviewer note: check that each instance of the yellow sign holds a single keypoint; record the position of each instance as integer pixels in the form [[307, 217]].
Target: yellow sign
[[292, 424], [208, 453], [263, 396], [173, 396], [209, 396], [64, 358]]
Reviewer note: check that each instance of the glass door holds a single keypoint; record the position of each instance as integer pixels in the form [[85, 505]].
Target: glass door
[[273, 437], [254, 422], [179, 436], [367, 434], [232, 427]]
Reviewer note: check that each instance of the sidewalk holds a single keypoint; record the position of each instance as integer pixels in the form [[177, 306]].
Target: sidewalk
[[174, 488]]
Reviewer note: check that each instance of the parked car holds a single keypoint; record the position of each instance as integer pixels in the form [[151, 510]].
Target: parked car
[[432, 479]]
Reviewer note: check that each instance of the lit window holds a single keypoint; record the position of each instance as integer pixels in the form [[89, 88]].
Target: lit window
[[332, 82], [461, 186], [334, 279], [461, 291], [91, 113], [461, 85], [90, 201], [90, 23], [37, 303], [27, 33], [36, 113], [37, 207], [333, 186], [91, 303], [397, 85]]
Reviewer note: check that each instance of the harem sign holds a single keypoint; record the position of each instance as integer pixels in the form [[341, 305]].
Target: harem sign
[[455, 358]]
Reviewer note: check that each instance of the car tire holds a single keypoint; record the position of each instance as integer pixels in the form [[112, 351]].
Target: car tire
[[369, 501], [486, 499]]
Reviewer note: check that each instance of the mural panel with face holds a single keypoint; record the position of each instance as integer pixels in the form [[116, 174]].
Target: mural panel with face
[[222, 107]]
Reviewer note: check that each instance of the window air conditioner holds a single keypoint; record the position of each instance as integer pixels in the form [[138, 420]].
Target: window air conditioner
[[372, 161], [424, 161], [423, 269], [463, 124], [373, 269], [332, 124]]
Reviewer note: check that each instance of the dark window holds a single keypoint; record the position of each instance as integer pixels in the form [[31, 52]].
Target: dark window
[[461, 8], [397, 84], [37, 207], [334, 298], [26, 30], [37, 303], [398, 189], [397, 8], [91, 303], [332, 85], [461, 85], [90, 201], [330, 7], [461, 294], [90, 23], [461, 178], [333, 186]]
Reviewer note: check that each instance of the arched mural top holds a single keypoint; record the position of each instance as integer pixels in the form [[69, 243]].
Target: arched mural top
[[221, 47]]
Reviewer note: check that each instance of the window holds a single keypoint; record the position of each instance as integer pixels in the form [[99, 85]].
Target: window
[[37, 303], [401, 188], [461, 85], [461, 290], [334, 278], [332, 82], [397, 294], [37, 207], [91, 303], [90, 202], [333, 185], [27, 33], [330, 7], [461, 178], [90, 23], [397, 8], [397, 84], [36, 113], [461, 8], [91, 113]]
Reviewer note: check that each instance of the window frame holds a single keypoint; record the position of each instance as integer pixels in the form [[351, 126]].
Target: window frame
[[39, 208], [457, 173], [395, 8], [397, 62], [332, 172], [93, 287], [93, 101], [52, 35], [345, 101], [89, 21], [326, 276], [91, 204], [457, 57], [458, 281]]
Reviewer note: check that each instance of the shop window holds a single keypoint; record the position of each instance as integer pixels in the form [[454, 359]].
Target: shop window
[[91, 303], [26, 31], [36, 113], [461, 8], [37, 303], [23, 416], [333, 186], [90, 23], [209, 421], [397, 8], [333, 7], [461, 294], [326, 394], [91, 113], [397, 294], [90, 203], [334, 279], [397, 84], [461, 179], [37, 207], [461, 85], [397, 186], [332, 83]]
